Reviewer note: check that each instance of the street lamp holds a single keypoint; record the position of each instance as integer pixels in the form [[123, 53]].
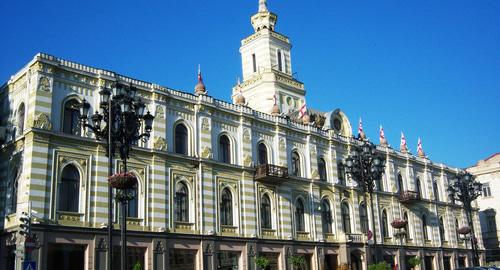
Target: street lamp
[[366, 166], [465, 189], [123, 115]]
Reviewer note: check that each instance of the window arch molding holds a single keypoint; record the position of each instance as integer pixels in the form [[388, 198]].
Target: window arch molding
[[14, 176], [297, 169], [234, 204], [81, 185], [346, 216], [269, 151], [232, 147], [400, 182], [189, 140], [140, 196], [70, 98], [385, 223], [21, 118], [305, 214], [181, 180], [272, 222], [331, 227], [365, 219], [323, 171]]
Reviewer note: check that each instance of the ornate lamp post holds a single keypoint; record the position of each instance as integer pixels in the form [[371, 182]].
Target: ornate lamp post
[[400, 225], [465, 189], [123, 116], [366, 166]]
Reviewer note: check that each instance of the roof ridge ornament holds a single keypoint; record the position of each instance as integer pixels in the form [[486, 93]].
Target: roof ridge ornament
[[263, 6]]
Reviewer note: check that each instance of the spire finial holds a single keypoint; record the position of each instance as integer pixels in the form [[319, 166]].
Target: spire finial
[[200, 86], [262, 6]]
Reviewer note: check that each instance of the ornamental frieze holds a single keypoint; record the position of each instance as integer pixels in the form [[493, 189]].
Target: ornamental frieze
[[42, 121]]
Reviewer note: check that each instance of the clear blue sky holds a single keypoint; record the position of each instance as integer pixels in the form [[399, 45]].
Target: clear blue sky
[[428, 68]]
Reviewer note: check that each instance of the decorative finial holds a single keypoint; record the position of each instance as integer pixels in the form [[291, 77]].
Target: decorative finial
[[200, 89], [403, 147], [262, 6], [383, 140], [420, 150], [361, 133], [276, 108]]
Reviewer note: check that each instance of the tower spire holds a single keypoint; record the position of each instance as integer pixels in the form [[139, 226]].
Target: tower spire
[[262, 6]]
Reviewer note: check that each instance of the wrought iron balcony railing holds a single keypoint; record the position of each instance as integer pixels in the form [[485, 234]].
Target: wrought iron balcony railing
[[409, 196], [271, 173]]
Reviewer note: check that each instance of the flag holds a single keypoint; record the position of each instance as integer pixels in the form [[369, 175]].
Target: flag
[[302, 111], [382, 134], [419, 145], [403, 141], [360, 126]]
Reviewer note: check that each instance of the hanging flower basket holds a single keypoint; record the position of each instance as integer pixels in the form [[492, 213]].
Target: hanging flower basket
[[122, 180], [464, 230], [399, 223]]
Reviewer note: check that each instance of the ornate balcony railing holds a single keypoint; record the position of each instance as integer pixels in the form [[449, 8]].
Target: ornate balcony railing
[[409, 196], [356, 238], [271, 173]]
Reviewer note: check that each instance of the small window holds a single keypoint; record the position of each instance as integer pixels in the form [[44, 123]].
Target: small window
[[363, 217], [69, 189], [322, 169], [262, 154], [295, 164], [346, 219], [407, 228], [226, 207], [299, 216], [12, 196], [435, 190], [133, 203], [70, 117], [224, 149], [326, 216], [265, 212], [20, 118], [280, 64], [254, 63], [456, 230], [385, 226], [442, 234], [486, 190], [181, 201], [181, 139]]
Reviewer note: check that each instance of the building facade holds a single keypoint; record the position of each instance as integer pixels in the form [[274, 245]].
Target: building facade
[[487, 172], [219, 184]]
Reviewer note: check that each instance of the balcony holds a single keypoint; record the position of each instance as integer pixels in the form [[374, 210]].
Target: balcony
[[356, 238], [409, 197], [271, 174]]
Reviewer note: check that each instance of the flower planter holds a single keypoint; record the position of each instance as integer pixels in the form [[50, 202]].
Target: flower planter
[[122, 180], [399, 223], [464, 230]]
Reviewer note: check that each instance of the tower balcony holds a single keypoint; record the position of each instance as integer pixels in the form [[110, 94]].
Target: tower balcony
[[271, 174], [408, 197]]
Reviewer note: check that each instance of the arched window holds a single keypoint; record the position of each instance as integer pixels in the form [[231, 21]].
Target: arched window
[[363, 217], [346, 219], [435, 190], [20, 118], [69, 188], [133, 204], [407, 228], [262, 153], [280, 63], [322, 169], [295, 164], [400, 184], [326, 216], [341, 172], [265, 212], [424, 227], [418, 188], [181, 139], [442, 234], [70, 117], [181, 207], [299, 216], [224, 149], [226, 207], [385, 227]]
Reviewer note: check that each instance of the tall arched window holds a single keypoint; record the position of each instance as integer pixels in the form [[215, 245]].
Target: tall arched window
[[12, 195], [262, 154], [226, 207], [346, 219], [418, 188], [326, 216], [424, 227], [385, 226], [435, 190], [133, 204], [69, 189], [400, 184], [442, 234], [70, 117], [295, 164], [363, 217], [299, 216], [181, 139], [265, 212], [224, 149], [322, 169], [181, 201], [280, 62], [20, 118], [407, 228], [341, 172]]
